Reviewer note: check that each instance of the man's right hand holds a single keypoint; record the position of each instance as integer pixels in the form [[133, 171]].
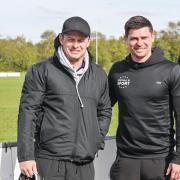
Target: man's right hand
[[28, 168]]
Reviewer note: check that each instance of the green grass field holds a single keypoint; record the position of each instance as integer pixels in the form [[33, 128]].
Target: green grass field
[[114, 122], [10, 91]]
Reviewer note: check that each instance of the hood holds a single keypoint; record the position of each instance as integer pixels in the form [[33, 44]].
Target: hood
[[155, 58], [56, 43]]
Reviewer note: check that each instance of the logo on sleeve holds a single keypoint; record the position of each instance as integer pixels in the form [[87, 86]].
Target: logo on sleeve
[[123, 82]]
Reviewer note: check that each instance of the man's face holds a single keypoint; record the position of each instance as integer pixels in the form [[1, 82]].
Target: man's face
[[74, 45], [139, 42]]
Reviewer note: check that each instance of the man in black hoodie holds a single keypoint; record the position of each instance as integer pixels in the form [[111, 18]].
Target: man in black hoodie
[[147, 89], [65, 110]]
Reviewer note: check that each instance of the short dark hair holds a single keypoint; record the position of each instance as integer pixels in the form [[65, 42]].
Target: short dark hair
[[137, 22]]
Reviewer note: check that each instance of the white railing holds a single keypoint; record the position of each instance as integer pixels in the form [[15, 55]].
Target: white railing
[[10, 74], [9, 168]]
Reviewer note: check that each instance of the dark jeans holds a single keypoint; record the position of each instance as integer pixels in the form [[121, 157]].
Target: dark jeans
[[139, 169], [63, 170]]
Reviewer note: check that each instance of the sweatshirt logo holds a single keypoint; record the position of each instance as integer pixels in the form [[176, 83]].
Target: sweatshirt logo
[[123, 82]]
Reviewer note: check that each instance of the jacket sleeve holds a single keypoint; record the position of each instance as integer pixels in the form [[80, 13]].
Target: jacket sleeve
[[175, 93], [31, 99], [112, 92], [104, 112]]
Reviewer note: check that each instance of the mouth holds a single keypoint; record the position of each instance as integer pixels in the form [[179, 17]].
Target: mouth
[[139, 50], [74, 52]]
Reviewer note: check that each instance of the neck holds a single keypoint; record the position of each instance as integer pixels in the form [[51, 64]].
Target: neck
[[140, 59], [77, 64]]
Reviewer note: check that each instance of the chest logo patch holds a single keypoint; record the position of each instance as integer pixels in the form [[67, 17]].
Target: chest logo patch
[[123, 82]]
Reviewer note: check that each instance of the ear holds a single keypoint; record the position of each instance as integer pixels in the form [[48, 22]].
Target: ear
[[153, 36], [61, 38], [125, 39], [89, 40]]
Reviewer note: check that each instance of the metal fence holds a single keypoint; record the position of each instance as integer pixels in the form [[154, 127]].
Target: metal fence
[[9, 168]]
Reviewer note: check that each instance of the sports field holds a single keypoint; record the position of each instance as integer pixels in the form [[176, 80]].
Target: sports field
[[10, 91]]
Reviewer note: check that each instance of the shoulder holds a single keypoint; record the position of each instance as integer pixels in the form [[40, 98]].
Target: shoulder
[[118, 65], [40, 68], [43, 63], [96, 68], [175, 70], [172, 67], [172, 70]]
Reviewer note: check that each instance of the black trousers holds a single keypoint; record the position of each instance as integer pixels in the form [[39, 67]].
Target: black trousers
[[139, 169], [63, 170]]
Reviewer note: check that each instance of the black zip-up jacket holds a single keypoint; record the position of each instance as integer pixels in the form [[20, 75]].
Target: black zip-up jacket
[[148, 96], [50, 113]]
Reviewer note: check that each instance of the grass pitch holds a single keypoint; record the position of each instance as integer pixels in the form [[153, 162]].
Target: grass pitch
[[10, 92]]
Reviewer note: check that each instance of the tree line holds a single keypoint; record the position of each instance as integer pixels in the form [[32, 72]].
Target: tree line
[[18, 54]]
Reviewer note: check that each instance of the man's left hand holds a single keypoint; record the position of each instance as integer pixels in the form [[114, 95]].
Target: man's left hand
[[174, 171]]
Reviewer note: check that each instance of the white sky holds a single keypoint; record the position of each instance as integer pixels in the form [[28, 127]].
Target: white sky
[[31, 18]]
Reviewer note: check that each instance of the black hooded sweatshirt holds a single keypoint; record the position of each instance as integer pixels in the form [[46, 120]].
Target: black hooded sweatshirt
[[148, 96]]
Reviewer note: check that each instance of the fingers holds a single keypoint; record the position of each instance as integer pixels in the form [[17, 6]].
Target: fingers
[[168, 169], [174, 171], [174, 176], [34, 168], [29, 173], [28, 168]]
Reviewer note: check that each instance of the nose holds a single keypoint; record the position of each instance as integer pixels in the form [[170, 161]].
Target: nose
[[139, 42], [75, 44]]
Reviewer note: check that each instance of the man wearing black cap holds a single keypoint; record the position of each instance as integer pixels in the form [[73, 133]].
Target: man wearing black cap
[[64, 110]]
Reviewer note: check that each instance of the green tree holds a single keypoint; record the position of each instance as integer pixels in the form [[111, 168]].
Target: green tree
[[118, 49], [46, 46], [17, 54], [169, 41]]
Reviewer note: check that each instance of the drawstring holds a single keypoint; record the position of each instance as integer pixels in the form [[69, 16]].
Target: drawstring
[[79, 97]]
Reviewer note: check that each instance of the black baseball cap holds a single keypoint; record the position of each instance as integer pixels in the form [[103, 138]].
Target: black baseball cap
[[76, 24]]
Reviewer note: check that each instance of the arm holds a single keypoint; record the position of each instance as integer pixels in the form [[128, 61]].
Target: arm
[[104, 112], [112, 92], [174, 166], [30, 104]]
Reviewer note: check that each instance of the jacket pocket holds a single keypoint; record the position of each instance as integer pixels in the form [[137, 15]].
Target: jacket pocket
[[40, 117]]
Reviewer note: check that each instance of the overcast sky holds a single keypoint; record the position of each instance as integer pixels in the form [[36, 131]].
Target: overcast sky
[[31, 18]]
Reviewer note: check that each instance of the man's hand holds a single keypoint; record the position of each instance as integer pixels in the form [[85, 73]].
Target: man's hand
[[174, 171], [28, 168]]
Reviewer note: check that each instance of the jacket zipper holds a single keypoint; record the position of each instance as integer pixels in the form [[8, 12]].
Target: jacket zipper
[[81, 106], [77, 127]]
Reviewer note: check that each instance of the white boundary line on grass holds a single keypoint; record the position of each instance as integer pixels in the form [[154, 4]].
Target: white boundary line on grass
[[10, 74]]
